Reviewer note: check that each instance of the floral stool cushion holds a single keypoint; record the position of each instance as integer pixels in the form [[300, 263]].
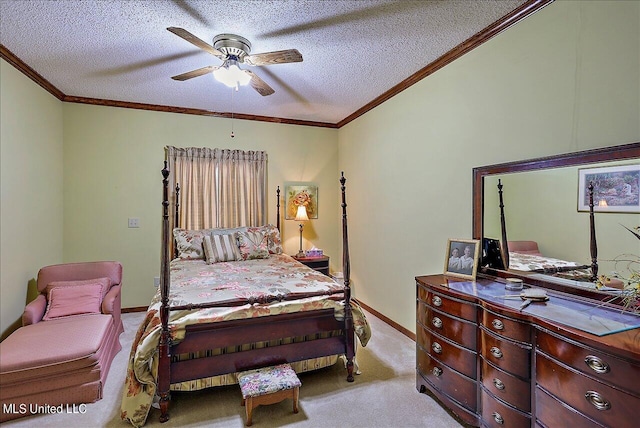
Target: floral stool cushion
[[268, 385]]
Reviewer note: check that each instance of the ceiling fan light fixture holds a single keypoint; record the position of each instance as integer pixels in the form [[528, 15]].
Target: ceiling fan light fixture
[[231, 74]]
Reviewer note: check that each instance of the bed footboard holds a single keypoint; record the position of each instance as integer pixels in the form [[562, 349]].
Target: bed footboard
[[200, 337]]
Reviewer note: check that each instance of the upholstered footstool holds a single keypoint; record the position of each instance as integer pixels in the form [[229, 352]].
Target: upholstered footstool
[[268, 385]]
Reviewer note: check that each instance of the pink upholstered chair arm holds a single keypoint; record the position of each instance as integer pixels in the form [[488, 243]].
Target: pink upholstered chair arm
[[34, 311], [111, 303]]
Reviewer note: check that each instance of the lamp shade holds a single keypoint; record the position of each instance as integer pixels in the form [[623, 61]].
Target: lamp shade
[[301, 215]]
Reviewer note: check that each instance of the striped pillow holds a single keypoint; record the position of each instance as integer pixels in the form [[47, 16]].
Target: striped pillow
[[221, 248]]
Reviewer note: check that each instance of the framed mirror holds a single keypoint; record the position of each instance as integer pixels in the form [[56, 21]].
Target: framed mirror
[[544, 204]]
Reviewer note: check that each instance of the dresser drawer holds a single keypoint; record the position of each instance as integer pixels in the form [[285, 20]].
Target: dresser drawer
[[499, 415], [459, 308], [597, 364], [551, 413], [507, 327], [596, 400], [454, 329], [456, 357], [456, 386], [507, 387], [509, 356]]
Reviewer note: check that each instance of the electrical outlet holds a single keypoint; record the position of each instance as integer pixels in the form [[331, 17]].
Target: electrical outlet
[[134, 222], [156, 281]]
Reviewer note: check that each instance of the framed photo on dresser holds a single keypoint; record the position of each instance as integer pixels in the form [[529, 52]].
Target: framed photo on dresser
[[461, 258]]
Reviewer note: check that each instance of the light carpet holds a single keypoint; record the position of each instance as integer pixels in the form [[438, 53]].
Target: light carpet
[[384, 395]]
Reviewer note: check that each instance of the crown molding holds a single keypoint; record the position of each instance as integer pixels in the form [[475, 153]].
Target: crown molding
[[8, 56], [194, 111]]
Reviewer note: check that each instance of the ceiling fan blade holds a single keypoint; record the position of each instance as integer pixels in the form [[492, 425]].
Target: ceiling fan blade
[[259, 85], [349, 18], [270, 58], [195, 73], [192, 12], [181, 32]]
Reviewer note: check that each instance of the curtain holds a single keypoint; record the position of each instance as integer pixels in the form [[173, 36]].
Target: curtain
[[218, 187]]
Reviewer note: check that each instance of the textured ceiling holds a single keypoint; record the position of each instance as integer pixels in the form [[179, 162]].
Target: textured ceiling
[[353, 51]]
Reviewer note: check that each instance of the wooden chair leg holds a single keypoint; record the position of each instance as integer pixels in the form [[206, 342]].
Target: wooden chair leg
[[296, 393], [249, 408]]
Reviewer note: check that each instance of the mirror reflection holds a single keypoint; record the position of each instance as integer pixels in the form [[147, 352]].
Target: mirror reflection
[[542, 217]]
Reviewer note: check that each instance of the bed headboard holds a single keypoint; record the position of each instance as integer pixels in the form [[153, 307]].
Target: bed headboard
[[176, 213]]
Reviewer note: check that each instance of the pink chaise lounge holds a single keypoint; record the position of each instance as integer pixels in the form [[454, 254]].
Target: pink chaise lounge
[[70, 334], [524, 247]]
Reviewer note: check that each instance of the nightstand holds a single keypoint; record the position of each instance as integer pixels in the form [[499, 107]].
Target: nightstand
[[321, 264]]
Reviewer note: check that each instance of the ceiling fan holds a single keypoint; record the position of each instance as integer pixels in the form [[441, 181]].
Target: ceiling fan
[[234, 50]]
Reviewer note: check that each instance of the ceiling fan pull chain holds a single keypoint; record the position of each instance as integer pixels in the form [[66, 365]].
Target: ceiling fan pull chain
[[232, 135]]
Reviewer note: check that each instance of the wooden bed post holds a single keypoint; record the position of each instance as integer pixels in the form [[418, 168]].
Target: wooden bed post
[[164, 367], [593, 244], [278, 210], [503, 226], [176, 218], [346, 266]]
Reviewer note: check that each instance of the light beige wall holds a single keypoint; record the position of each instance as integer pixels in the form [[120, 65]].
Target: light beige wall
[[31, 186], [113, 159], [565, 79]]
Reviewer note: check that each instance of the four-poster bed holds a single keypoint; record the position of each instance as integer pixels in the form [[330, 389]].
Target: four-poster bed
[[237, 315]]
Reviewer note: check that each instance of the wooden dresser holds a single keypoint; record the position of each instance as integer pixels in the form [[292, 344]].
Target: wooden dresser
[[496, 366]]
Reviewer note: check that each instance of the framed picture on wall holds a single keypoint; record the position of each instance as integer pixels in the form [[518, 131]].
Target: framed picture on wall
[[616, 189], [300, 194], [461, 258]]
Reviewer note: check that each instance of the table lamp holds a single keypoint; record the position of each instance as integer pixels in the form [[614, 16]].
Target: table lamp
[[301, 216]]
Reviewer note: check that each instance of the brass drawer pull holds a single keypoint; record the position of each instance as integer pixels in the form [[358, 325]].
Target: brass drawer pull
[[437, 348], [597, 400], [497, 324], [437, 371], [437, 301], [496, 352], [437, 322], [498, 418], [597, 365], [498, 384]]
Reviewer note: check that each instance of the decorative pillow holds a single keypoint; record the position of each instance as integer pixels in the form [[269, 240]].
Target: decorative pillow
[[105, 284], [252, 245], [274, 243], [221, 248], [73, 300], [190, 243], [227, 231]]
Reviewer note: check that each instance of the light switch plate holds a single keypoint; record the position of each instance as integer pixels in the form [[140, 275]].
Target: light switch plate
[[134, 222]]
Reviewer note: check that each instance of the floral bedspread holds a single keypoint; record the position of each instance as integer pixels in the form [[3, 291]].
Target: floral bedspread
[[193, 281], [532, 263]]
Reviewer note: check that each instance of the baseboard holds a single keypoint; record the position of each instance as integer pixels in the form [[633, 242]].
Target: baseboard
[[411, 335], [134, 309]]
